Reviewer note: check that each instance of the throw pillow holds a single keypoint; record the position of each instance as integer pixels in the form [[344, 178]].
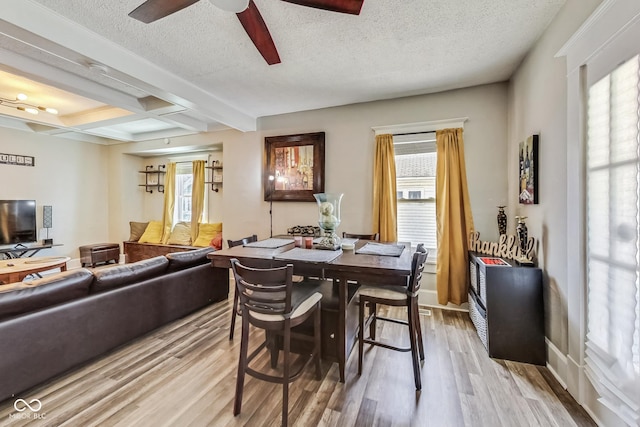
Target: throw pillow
[[137, 229], [181, 234], [206, 232], [216, 242], [153, 233]]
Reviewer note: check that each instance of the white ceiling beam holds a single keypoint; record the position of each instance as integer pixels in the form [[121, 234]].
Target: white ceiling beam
[[41, 21]]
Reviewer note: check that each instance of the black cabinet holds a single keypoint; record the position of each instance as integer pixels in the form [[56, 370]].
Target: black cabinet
[[506, 307]]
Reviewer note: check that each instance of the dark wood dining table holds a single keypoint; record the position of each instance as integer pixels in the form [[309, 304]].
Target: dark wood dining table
[[346, 266]]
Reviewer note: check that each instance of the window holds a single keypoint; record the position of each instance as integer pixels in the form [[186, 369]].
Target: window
[[184, 185], [613, 238], [415, 157]]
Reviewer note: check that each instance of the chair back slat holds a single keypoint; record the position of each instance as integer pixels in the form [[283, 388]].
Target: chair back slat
[[243, 241], [417, 267], [373, 236], [266, 291]]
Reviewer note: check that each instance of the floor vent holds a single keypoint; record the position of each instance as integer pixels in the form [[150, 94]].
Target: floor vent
[[424, 311]]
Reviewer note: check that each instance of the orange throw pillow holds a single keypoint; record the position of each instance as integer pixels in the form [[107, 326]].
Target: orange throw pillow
[[216, 242]]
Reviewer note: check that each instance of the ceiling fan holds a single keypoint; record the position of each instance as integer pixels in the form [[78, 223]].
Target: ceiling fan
[[248, 14]]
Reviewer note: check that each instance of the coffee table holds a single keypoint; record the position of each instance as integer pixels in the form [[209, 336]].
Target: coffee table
[[15, 270]]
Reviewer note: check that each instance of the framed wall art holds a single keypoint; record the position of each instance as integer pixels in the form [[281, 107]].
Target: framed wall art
[[296, 163], [528, 178]]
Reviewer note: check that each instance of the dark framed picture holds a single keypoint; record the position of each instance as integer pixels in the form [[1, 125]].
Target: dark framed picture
[[528, 182], [296, 164]]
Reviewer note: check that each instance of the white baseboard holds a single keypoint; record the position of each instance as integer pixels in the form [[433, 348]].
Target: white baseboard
[[429, 298], [556, 363]]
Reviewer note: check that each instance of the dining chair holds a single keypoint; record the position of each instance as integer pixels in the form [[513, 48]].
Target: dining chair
[[236, 306], [269, 300], [396, 296], [374, 236]]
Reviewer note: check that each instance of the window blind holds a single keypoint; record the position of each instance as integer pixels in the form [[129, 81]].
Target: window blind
[[612, 361]]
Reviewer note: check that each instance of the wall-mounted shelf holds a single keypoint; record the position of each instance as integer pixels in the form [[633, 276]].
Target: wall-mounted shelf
[[215, 177], [153, 178]]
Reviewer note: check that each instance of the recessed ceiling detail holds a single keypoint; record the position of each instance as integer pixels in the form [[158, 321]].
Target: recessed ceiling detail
[[196, 70]]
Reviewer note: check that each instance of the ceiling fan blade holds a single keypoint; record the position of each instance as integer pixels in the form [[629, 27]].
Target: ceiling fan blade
[[152, 10], [259, 34], [343, 6]]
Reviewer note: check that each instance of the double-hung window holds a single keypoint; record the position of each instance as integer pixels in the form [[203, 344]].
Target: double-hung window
[[415, 157], [183, 189], [613, 239]]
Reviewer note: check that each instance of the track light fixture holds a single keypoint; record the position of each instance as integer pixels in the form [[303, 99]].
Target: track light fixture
[[19, 104]]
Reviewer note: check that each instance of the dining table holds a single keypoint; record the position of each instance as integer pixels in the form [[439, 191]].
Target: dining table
[[373, 263]]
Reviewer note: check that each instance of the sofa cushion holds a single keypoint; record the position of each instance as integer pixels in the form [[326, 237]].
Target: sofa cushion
[[153, 233], [181, 234], [40, 293], [206, 232], [136, 230], [126, 274], [182, 260]]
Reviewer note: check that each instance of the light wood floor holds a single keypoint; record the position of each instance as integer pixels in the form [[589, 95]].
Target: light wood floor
[[184, 375]]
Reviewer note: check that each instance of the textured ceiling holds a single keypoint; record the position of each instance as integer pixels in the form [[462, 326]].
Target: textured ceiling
[[393, 48]]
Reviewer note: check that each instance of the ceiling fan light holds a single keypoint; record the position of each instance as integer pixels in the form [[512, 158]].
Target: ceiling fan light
[[28, 109], [235, 6]]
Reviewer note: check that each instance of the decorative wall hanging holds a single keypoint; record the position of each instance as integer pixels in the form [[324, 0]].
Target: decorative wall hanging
[[296, 163], [528, 178], [16, 159]]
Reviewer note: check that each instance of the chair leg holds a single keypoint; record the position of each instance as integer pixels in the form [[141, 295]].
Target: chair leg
[[242, 365], [414, 350], [418, 329], [317, 342], [234, 312], [285, 375], [361, 334], [373, 311]]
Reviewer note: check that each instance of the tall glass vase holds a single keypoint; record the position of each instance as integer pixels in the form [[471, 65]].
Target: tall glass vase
[[329, 219]]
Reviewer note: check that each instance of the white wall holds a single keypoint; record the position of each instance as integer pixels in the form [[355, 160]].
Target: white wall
[[538, 104], [71, 176], [349, 152]]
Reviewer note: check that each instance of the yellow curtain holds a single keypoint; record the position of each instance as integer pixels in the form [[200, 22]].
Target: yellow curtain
[[454, 220], [169, 201], [385, 203], [197, 197]]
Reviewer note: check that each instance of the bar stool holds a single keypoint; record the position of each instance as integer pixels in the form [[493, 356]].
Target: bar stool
[[236, 307], [269, 301], [396, 296]]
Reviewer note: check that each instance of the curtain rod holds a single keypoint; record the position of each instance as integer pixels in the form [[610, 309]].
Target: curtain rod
[[413, 133]]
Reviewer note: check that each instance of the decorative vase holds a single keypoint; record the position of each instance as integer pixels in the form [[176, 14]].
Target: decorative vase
[[522, 233], [502, 221], [328, 219]]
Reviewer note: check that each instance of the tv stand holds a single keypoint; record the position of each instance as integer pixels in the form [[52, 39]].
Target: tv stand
[[22, 251]]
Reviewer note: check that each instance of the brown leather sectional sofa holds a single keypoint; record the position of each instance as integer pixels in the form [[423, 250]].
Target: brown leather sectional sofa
[[59, 322]]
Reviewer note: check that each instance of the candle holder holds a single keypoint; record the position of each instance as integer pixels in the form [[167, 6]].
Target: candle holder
[[328, 220]]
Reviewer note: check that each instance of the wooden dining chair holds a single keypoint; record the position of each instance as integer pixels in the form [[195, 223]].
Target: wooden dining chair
[[243, 241], [236, 306], [374, 236], [269, 300], [396, 296]]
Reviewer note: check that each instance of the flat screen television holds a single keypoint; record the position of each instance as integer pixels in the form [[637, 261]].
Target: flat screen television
[[17, 221]]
